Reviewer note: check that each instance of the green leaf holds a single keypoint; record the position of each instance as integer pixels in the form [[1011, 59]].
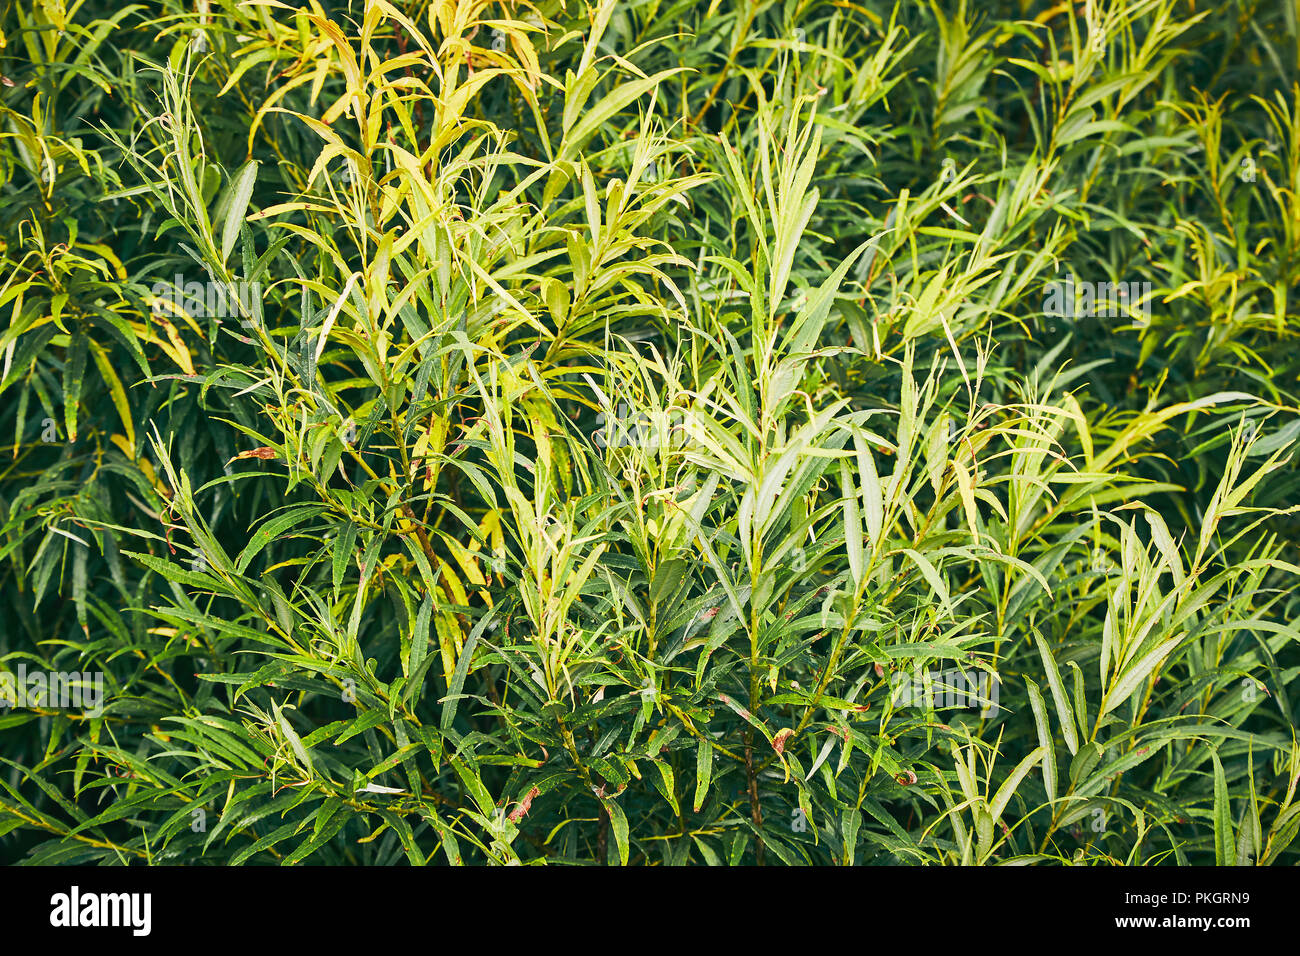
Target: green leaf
[[74, 373], [236, 205], [618, 820], [1045, 741], [1063, 710], [1224, 841], [703, 772]]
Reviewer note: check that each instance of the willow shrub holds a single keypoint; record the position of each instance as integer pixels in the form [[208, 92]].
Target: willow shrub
[[649, 433]]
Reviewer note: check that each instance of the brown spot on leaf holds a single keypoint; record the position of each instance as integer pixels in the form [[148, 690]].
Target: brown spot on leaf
[[519, 812], [264, 453]]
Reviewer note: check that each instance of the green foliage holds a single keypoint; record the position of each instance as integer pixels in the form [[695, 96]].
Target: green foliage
[[589, 434]]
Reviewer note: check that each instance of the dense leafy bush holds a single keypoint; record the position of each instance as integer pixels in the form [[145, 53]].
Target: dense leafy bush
[[650, 432]]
